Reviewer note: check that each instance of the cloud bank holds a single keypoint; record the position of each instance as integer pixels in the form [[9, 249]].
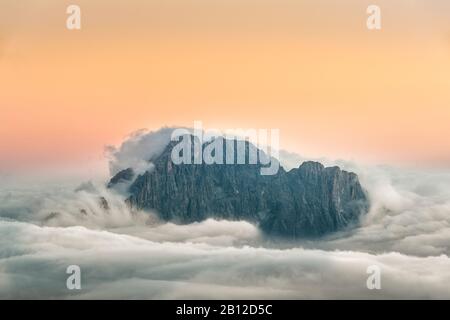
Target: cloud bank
[[129, 254], [34, 260]]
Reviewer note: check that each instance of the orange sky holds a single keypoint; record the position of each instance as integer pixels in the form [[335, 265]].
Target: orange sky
[[309, 68]]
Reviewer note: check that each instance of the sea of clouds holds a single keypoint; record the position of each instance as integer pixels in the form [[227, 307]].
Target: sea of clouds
[[123, 254]]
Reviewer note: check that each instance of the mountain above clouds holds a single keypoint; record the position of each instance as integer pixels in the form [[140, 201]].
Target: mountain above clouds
[[308, 201]]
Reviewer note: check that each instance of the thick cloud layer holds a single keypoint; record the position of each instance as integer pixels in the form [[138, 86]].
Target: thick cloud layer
[[34, 260], [127, 254]]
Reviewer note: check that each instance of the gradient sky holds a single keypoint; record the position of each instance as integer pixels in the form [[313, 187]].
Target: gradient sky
[[309, 68]]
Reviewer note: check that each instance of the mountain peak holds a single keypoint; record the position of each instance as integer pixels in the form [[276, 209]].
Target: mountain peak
[[308, 201]]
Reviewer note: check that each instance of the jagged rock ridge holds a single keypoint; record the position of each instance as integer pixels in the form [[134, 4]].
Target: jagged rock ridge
[[304, 202]]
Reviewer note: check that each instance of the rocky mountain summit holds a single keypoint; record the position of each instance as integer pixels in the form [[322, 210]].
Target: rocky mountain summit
[[307, 201]]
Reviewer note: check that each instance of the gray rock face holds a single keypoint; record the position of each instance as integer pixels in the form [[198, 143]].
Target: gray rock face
[[308, 201]]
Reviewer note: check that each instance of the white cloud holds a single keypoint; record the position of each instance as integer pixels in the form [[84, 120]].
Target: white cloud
[[138, 149], [122, 266], [126, 254]]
